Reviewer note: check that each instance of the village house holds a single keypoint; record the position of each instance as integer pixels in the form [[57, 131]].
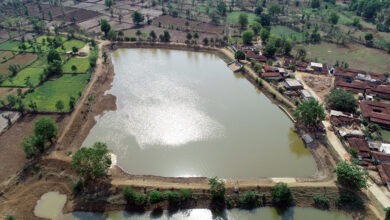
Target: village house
[[380, 158], [381, 91], [292, 84], [384, 173], [376, 112], [385, 148], [306, 95], [252, 56], [338, 118], [272, 76], [301, 67], [316, 67], [361, 146]]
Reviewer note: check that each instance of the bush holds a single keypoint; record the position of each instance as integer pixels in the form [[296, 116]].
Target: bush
[[173, 198], [250, 200], [321, 201], [387, 211], [217, 189], [349, 199], [186, 194], [78, 186], [351, 175], [128, 194], [155, 197], [353, 152], [281, 195], [140, 199]]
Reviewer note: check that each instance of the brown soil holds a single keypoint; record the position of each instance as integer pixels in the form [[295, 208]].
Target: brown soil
[[80, 15], [4, 92], [12, 156], [21, 60]]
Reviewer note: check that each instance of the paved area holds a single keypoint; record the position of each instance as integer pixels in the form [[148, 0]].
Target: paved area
[[13, 116]]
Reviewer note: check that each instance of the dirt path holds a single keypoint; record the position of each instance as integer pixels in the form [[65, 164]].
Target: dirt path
[[97, 73], [269, 87]]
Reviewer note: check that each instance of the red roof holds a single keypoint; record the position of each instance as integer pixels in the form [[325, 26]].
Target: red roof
[[268, 69], [250, 54], [378, 76], [271, 74], [384, 172], [376, 111], [354, 86], [381, 157], [359, 144]]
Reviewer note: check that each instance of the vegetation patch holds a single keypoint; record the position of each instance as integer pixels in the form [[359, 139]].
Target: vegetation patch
[[21, 60], [286, 32], [9, 45], [76, 65], [48, 94], [22, 78], [233, 17], [68, 45]]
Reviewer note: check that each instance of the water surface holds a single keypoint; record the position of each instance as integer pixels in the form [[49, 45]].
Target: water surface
[[50, 205], [205, 214], [187, 114]]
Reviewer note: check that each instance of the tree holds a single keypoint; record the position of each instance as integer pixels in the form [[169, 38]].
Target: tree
[[108, 3], [137, 17], [387, 215], [189, 36], [46, 128], [112, 35], [258, 10], [105, 57], [153, 35], [92, 162], [105, 27], [250, 200], [32, 145], [274, 9], [53, 56], [239, 55], [341, 100], [333, 18], [301, 53], [247, 36], [310, 112], [281, 195], [256, 27], [221, 7], [155, 197], [351, 175], [243, 20], [205, 41], [59, 105], [11, 99], [75, 49], [369, 38], [10, 217], [287, 46], [217, 190], [166, 37], [264, 34], [315, 3], [269, 50]]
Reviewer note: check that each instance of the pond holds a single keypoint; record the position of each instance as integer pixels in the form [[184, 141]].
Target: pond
[[205, 214], [187, 114], [50, 205]]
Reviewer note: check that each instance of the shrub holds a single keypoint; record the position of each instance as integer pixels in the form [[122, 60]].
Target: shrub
[[173, 198], [281, 195], [321, 201], [155, 197], [186, 194], [351, 175], [353, 152], [217, 189], [250, 200], [78, 186], [387, 211], [128, 194], [140, 199], [349, 199], [10, 217]]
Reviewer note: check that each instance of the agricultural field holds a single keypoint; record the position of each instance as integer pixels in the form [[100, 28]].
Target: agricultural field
[[9, 45], [82, 65], [286, 32], [21, 77], [62, 88], [232, 17], [357, 56], [68, 45], [5, 55], [21, 60]]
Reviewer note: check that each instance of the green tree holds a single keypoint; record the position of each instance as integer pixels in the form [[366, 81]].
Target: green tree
[[137, 17], [105, 27], [258, 10], [153, 35], [250, 200], [32, 145], [217, 190], [387, 213], [351, 175], [243, 20], [92, 162], [105, 56], [10, 217], [315, 3], [301, 53], [264, 34], [239, 55], [60, 105], [282, 195], [256, 27], [247, 36], [333, 18], [173, 198], [155, 197], [128, 194], [369, 38], [309, 112], [108, 3], [269, 50], [287, 46], [45, 127], [221, 7], [75, 49], [274, 9], [11, 99], [53, 56], [112, 35], [341, 100]]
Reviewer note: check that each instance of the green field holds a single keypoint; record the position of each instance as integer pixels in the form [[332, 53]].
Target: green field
[[82, 65], [20, 78], [286, 32], [385, 134], [9, 45], [69, 44], [357, 56], [232, 17], [46, 95]]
